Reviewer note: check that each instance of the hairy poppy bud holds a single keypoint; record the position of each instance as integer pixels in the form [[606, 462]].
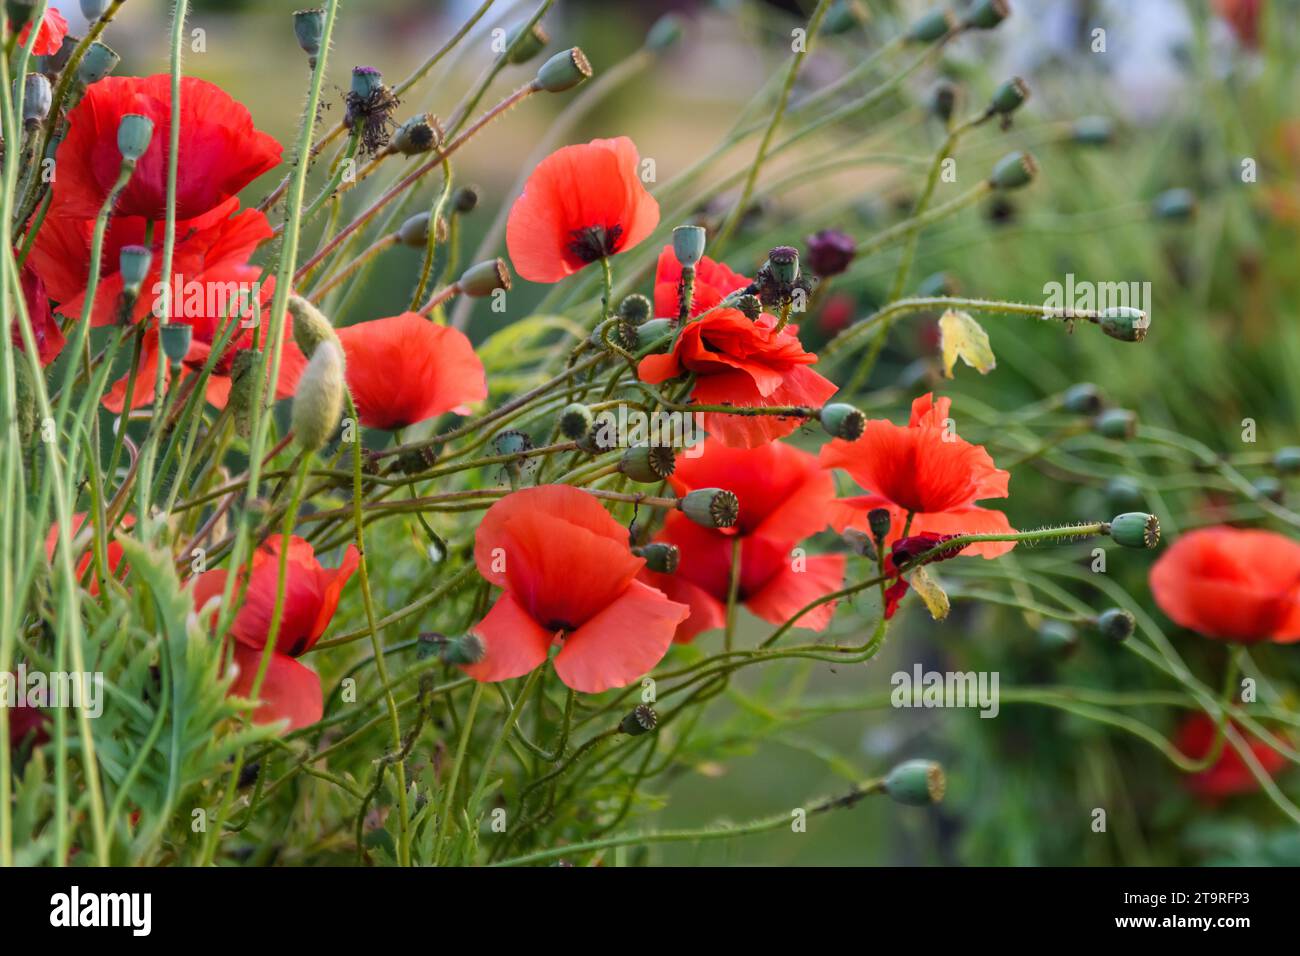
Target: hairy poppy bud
[[688, 244], [563, 71], [25, 391], [241, 389], [986, 14], [1116, 624], [134, 133], [528, 47], [659, 556], [930, 26], [36, 98], [1010, 96], [1117, 423], [1057, 637], [417, 135], [318, 400], [309, 28], [98, 62], [1014, 170], [750, 306], [176, 338], [784, 263], [1083, 398], [943, 101], [576, 421], [917, 783], [641, 720], [463, 650], [1176, 205], [484, 278], [133, 264], [310, 326], [1287, 460], [1093, 131], [415, 231], [635, 309], [711, 507], [879, 521], [649, 333], [465, 199], [843, 421], [1134, 529], [1124, 323], [665, 33], [648, 464], [830, 251]]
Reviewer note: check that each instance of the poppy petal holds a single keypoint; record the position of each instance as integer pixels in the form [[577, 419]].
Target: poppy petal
[[290, 691], [621, 643], [515, 643]]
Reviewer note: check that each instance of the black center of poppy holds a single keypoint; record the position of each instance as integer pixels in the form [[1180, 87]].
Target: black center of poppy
[[594, 242], [565, 626]]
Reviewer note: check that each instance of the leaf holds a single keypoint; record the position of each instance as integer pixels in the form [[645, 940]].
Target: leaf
[[936, 600], [962, 337]]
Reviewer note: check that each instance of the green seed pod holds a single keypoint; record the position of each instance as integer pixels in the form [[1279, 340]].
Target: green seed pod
[[751, 306], [659, 556], [784, 263], [366, 81], [415, 231], [529, 46], [1117, 423], [917, 783], [318, 401], [576, 421], [98, 62], [843, 16], [635, 309], [176, 338], [1134, 529], [1267, 486], [563, 71], [1014, 171], [711, 507], [310, 327], [1287, 460], [1174, 205], [1058, 638], [241, 389], [688, 244], [944, 98], [649, 333], [1093, 131], [309, 28], [463, 650], [641, 720], [1010, 96], [986, 14], [648, 464], [1082, 399], [417, 135], [1116, 624], [843, 421], [930, 26], [133, 264], [484, 278], [37, 97], [1124, 323], [134, 133], [665, 33], [511, 442]]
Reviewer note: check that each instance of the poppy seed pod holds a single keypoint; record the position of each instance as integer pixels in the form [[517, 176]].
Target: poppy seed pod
[[641, 720], [1124, 323], [1014, 170], [511, 442], [917, 783], [415, 231], [366, 81], [648, 464], [1010, 96], [576, 421], [711, 507], [36, 98], [310, 326], [784, 263], [484, 278], [318, 401], [665, 32], [1093, 131], [1175, 205], [563, 71], [750, 306], [861, 543], [879, 521], [1116, 624], [1123, 492], [176, 338], [843, 421], [843, 16], [986, 14], [1057, 637], [635, 309], [660, 557], [1083, 398], [650, 333], [465, 199], [417, 135], [1287, 460], [464, 650], [522, 50], [133, 264], [309, 28], [688, 245], [830, 252], [1134, 529], [98, 62], [1117, 423], [930, 26], [92, 10], [133, 136]]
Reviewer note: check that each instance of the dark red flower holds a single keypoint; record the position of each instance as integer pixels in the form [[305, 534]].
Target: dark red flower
[[1230, 775], [900, 556], [830, 252]]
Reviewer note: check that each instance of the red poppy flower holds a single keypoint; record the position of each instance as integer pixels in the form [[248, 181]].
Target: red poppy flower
[[714, 281], [221, 151], [581, 204], [114, 552], [567, 573], [784, 497], [405, 369], [1229, 775], [925, 470], [290, 690], [45, 330], [49, 34], [1231, 583]]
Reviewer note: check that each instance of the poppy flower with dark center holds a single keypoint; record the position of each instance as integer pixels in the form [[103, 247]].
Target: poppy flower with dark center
[[221, 151], [925, 470], [581, 204], [406, 369], [49, 33], [1233, 584], [567, 574], [1230, 774], [784, 497]]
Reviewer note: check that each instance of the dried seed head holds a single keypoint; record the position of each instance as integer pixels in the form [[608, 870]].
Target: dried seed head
[[659, 556], [641, 720], [711, 507]]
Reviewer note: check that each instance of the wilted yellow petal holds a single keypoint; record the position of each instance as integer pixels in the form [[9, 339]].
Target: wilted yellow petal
[[964, 338], [936, 600]]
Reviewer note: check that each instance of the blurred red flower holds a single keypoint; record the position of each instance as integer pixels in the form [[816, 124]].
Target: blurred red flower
[[1233, 584], [925, 470], [1229, 775], [406, 369], [49, 34], [784, 497], [113, 551], [567, 573], [1243, 17], [582, 203]]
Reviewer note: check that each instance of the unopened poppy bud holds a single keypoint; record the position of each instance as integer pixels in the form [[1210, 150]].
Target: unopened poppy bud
[[665, 33], [917, 783], [522, 50], [641, 720], [98, 62], [417, 135], [930, 26], [1010, 96], [879, 521], [1134, 529], [943, 101], [415, 231], [648, 464], [1083, 398], [830, 251], [843, 16], [134, 133], [463, 650], [635, 309], [1057, 637], [750, 306], [241, 389], [650, 333], [861, 543], [1116, 624], [92, 10], [563, 71], [309, 28], [711, 507], [1117, 423], [688, 244], [36, 98], [310, 326], [318, 400], [25, 393], [1175, 205], [465, 199], [1014, 170], [843, 421], [784, 263], [1287, 460], [576, 421], [1267, 486], [659, 556], [176, 338], [1124, 323], [484, 278], [986, 14], [1093, 131], [133, 264]]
